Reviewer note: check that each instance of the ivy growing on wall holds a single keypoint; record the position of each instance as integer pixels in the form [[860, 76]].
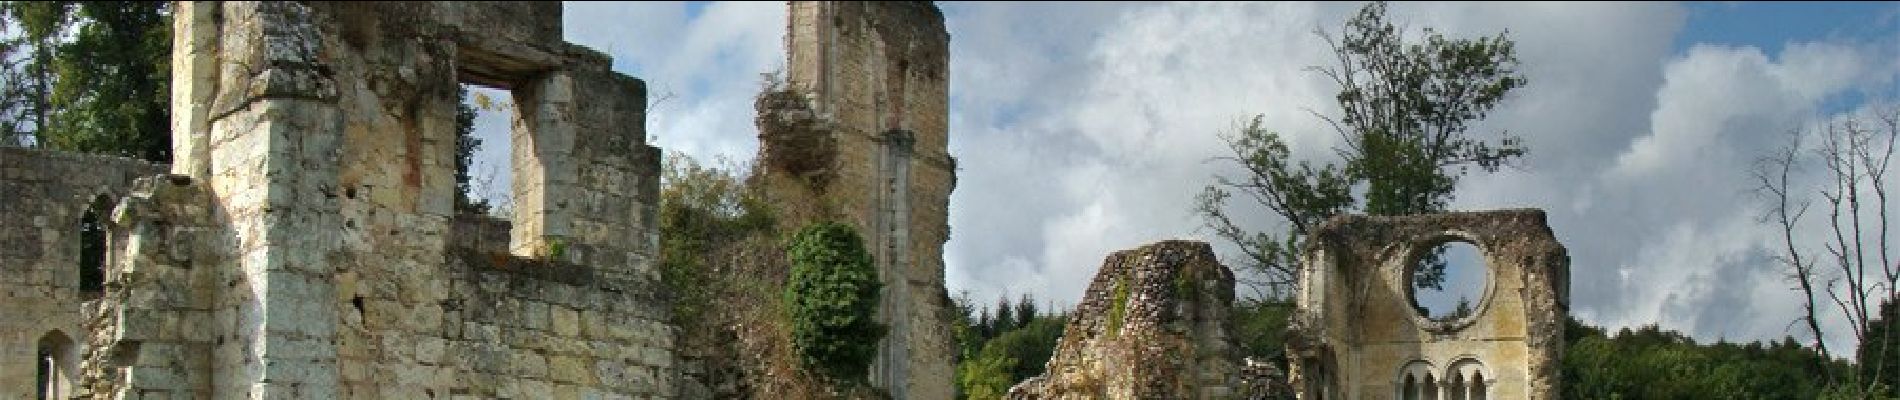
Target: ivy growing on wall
[[833, 296]]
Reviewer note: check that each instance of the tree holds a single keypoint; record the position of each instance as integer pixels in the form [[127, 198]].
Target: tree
[[1260, 326], [1855, 270], [465, 145], [90, 77], [1407, 109], [112, 94], [833, 296], [1005, 316], [28, 88], [1651, 363], [702, 208], [985, 377], [15, 97], [1025, 310], [1879, 356]]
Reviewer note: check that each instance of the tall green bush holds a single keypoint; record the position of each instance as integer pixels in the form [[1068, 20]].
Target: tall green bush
[[833, 296]]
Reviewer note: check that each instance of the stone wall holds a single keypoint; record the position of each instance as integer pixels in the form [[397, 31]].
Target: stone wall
[[308, 247], [1355, 333], [860, 134], [154, 332], [43, 196], [1152, 325]]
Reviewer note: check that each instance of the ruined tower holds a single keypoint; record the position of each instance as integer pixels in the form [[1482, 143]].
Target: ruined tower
[[859, 133], [1357, 333]]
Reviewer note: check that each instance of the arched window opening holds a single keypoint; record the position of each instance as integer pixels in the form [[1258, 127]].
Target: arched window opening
[[1409, 391], [1318, 380], [1430, 389], [1455, 389], [92, 247], [53, 365], [1477, 386]]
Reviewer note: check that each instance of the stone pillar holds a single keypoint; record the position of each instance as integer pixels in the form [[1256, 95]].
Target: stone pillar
[[194, 81], [275, 128], [543, 141], [893, 251]]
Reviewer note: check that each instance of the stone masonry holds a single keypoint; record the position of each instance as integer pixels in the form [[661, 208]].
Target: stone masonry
[[43, 197], [1153, 325], [304, 243], [1356, 335], [859, 133]]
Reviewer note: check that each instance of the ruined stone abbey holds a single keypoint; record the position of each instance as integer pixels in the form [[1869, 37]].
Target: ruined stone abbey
[[303, 243]]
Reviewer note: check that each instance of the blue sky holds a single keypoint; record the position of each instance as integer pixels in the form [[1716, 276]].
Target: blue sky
[[1084, 128], [1771, 24]]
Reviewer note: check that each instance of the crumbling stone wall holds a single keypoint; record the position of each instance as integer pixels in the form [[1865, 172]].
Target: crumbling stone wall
[[349, 109], [1153, 325], [859, 133], [154, 331], [1355, 334], [43, 196], [307, 246]]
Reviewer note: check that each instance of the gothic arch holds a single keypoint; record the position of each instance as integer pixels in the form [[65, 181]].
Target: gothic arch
[[56, 366], [1468, 379], [91, 237], [1417, 381]]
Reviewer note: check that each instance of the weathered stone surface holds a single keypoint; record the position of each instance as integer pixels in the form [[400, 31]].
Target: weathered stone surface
[[309, 247], [1355, 334], [43, 197], [859, 133], [1153, 325]]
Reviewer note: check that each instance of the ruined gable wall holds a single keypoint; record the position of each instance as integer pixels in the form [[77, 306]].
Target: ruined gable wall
[[1355, 326], [873, 80], [43, 195]]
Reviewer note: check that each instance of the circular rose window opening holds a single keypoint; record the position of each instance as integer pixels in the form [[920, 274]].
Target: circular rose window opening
[[1448, 281]]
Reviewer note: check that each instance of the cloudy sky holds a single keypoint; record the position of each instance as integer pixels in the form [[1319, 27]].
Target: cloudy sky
[[1085, 128]]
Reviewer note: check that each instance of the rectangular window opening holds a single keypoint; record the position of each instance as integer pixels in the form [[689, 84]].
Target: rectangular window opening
[[484, 174]]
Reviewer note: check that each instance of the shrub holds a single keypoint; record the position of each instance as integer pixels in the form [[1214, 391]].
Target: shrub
[[832, 296]]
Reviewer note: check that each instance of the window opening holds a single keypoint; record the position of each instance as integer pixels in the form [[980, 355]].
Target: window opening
[[484, 174], [1448, 282], [92, 247]]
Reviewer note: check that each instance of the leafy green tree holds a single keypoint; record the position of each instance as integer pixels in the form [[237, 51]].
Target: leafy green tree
[[1879, 353], [465, 145], [1005, 317], [1651, 363], [985, 377], [989, 362], [112, 92], [1260, 325], [701, 208], [1025, 310], [1010, 357], [15, 97], [1407, 109], [32, 28], [833, 295]]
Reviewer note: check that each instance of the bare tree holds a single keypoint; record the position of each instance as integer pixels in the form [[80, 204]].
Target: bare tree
[[1856, 271], [1772, 184]]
